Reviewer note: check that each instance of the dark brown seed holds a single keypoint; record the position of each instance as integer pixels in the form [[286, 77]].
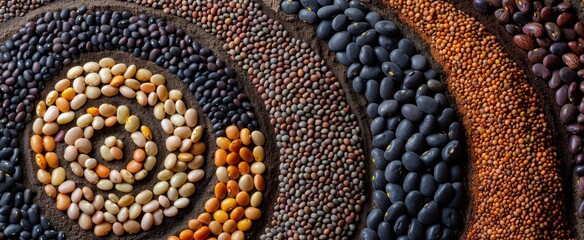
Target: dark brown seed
[[575, 128], [571, 60], [569, 34], [579, 158], [538, 6], [551, 61], [565, 19], [523, 5], [524, 42], [509, 4], [556, 81], [534, 29], [513, 29], [547, 13], [544, 42], [502, 15], [576, 47], [579, 28], [580, 74], [553, 31], [537, 55], [564, 6]]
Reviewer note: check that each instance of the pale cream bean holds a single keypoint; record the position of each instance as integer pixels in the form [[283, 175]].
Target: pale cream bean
[[118, 228], [73, 211], [84, 120], [113, 197], [73, 134], [74, 72], [180, 107], [159, 111], [164, 175], [178, 179], [127, 176], [221, 173], [50, 128], [158, 79], [106, 62], [58, 176], [181, 203], [51, 98], [102, 229], [195, 175], [92, 79], [90, 67], [150, 148], [97, 217], [132, 84], [123, 113], [182, 132], [83, 145], [258, 168], [41, 109], [85, 222], [191, 117], [150, 206], [162, 93], [170, 212], [105, 184], [107, 110], [164, 201], [70, 153], [115, 176], [256, 199], [172, 143], [246, 182], [169, 107], [130, 71], [66, 187], [177, 119], [51, 114], [141, 98], [175, 95], [105, 75], [126, 200], [118, 69], [147, 221], [258, 138], [124, 187], [138, 139], [98, 123], [186, 190], [110, 141], [123, 214], [127, 92], [170, 161], [92, 92], [87, 193], [90, 163], [86, 207], [76, 195], [132, 226], [65, 117], [91, 176], [160, 187], [43, 176], [110, 218], [116, 153], [109, 91], [132, 124], [167, 126], [98, 202], [152, 99], [78, 101], [76, 168], [197, 162], [88, 132], [185, 145], [144, 197], [51, 191], [141, 174], [112, 207], [172, 193], [149, 163], [79, 85], [37, 126], [180, 166], [105, 153], [143, 74], [135, 211], [62, 84], [158, 217]]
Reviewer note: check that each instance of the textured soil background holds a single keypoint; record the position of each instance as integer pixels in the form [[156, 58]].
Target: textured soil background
[[302, 31]]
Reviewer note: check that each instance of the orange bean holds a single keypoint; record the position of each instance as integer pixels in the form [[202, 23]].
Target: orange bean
[[202, 233], [235, 145], [242, 198], [223, 142], [212, 205], [243, 168], [233, 172], [117, 81], [204, 218], [220, 190], [233, 158], [232, 132], [195, 224], [245, 136], [52, 159], [245, 154], [186, 234], [93, 111], [102, 171], [62, 104], [220, 157], [36, 143], [232, 188], [147, 87], [68, 94], [40, 161], [133, 166], [237, 213], [139, 155], [49, 143]]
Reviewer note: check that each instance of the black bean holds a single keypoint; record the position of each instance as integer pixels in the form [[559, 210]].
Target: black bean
[[372, 91], [416, 230], [340, 23], [328, 12], [372, 110], [394, 211], [441, 172], [428, 125], [378, 180], [429, 214], [394, 171], [381, 53], [392, 71], [388, 108], [395, 192], [374, 218], [401, 224], [412, 162], [290, 7], [339, 41], [386, 88], [411, 182], [433, 232], [437, 140], [407, 46], [354, 70], [444, 194], [342, 58], [458, 195], [359, 85], [427, 104], [430, 157], [449, 217], [385, 230], [455, 131], [368, 234], [416, 143], [393, 122], [445, 118], [447, 234], [382, 140], [450, 151], [343, 4], [378, 158], [404, 96], [405, 130], [387, 28], [414, 201], [389, 43], [354, 14], [395, 150], [358, 28], [378, 125], [352, 50], [419, 62], [367, 56], [12, 230], [414, 79], [381, 200], [399, 58], [312, 5], [325, 30], [428, 185], [370, 72], [455, 173], [412, 112]]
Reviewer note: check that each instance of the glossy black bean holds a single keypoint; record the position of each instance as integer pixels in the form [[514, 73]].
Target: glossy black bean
[[368, 234], [381, 53], [310, 4], [579, 169], [404, 96], [483, 6], [559, 48], [339, 41], [444, 194], [419, 62], [387, 108], [449, 217], [394, 211], [428, 185], [433, 232], [412, 112], [358, 28], [423, 90], [382, 140], [393, 122], [325, 30], [354, 14], [411, 182], [401, 224], [458, 195], [428, 125], [416, 143], [372, 91], [381, 200], [366, 55], [441, 172], [378, 159], [12, 230], [455, 131], [290, 7], [414, 79], [395, 192], [370, 72], [387, 28], [372, 110], [392, 71], [437, 140], [405, 130], [377, 126], [328, 12], [389, 43], [429, 214], [394, 171], [416, 230], [378, 180], [395, 150], [414, 201], [412, 162], [354, 70], [407, 46], [400, 58], [385, 230], [386, 88], [450, 151], [368, 37], [430, 157], [359, 85], [446, 118], [374, 218], [340, 23], [352, 50]]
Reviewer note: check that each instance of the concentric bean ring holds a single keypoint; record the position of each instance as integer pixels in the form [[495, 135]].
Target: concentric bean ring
[[128, 213]]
